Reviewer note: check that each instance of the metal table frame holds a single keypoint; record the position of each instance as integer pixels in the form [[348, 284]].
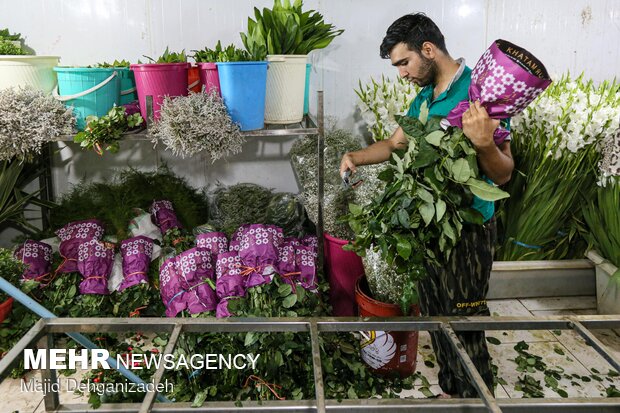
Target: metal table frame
[[42, 331]]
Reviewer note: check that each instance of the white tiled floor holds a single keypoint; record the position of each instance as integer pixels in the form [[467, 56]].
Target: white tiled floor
[[567, 351]]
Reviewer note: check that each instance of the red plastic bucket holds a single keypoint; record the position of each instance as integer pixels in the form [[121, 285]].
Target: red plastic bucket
[[5, 308], [343, 268], [387, 353], [193, 79], [159, 80], [209, 76]]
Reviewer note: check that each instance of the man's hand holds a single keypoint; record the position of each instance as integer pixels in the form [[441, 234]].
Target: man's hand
[[347, 164], [479, 127]]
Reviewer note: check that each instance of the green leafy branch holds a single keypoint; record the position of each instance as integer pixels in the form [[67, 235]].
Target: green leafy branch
[[427, 200], [105, 133]]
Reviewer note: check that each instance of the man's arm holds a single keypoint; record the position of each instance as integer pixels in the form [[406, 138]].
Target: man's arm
[[376, 153], [495, 161]]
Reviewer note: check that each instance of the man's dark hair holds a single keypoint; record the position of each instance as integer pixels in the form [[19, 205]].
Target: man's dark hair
[[414, 30]]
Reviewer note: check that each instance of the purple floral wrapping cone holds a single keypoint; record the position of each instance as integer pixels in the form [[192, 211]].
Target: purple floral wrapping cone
[[162, 215], [95, 262], [71, 236], [240, 232], [136, 253], [505, 80], [234, 246], [292, 241], [230, 282], [222, 309], [287, 267], [305, 258], [259, 253], [170, 288], [38, 258], [311, 241], [216, 242], [195, 267]]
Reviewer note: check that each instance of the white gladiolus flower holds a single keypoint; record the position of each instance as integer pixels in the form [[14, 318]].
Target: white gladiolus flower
[[380, 101]]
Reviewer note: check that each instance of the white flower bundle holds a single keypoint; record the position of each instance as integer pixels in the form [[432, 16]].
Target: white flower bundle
[[562, 144], [380, 101], [570, 116], [197, 123], [28, 119]]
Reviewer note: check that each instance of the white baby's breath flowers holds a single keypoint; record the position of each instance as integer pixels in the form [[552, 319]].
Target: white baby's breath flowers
[[197, 123], [28, 119]]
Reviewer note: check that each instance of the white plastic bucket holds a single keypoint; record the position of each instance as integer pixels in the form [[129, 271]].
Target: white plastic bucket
[[286, 79], [34, 71]]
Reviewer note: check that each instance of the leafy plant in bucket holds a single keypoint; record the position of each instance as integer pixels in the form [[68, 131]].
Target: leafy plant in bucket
[[8, 48], [115, 63], [207, 55], [10, 44], [105, 132], [233, 54], [419, 216], [286, 29], [169, 57]]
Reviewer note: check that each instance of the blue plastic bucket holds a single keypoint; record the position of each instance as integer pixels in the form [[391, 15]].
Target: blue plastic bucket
[[90, 91], [307, 90], [128, 85], [243, 86]]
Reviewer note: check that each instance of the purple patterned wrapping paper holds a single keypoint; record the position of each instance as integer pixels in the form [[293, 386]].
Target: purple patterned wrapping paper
[[136, 253], [310, 241], [163, 215], [95, 260], [305, 259], [38, 258], [195, 267], [71, 236], [505, 80], [229, 283], [170, 288], [216, 242], [259, 253], [287, 266], [234, 246], [240, 232]]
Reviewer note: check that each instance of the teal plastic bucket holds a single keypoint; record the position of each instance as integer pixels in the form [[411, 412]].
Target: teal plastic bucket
[[307, 90], [89, 91], [128, 85], [243, 86]]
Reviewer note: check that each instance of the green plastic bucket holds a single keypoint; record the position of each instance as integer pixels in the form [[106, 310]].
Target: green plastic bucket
[[89, 91], [128, 85], [307, 90]]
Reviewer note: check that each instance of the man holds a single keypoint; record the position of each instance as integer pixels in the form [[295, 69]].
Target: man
[[416, 47]]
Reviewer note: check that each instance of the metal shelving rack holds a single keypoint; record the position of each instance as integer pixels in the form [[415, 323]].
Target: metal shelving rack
[[308, 126]]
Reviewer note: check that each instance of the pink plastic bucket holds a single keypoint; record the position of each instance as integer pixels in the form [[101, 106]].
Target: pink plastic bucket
[[343, 268], [209, 76], [159, 80]]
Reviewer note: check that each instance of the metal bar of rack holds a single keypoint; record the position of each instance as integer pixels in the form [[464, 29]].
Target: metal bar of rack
[[44, 330]]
